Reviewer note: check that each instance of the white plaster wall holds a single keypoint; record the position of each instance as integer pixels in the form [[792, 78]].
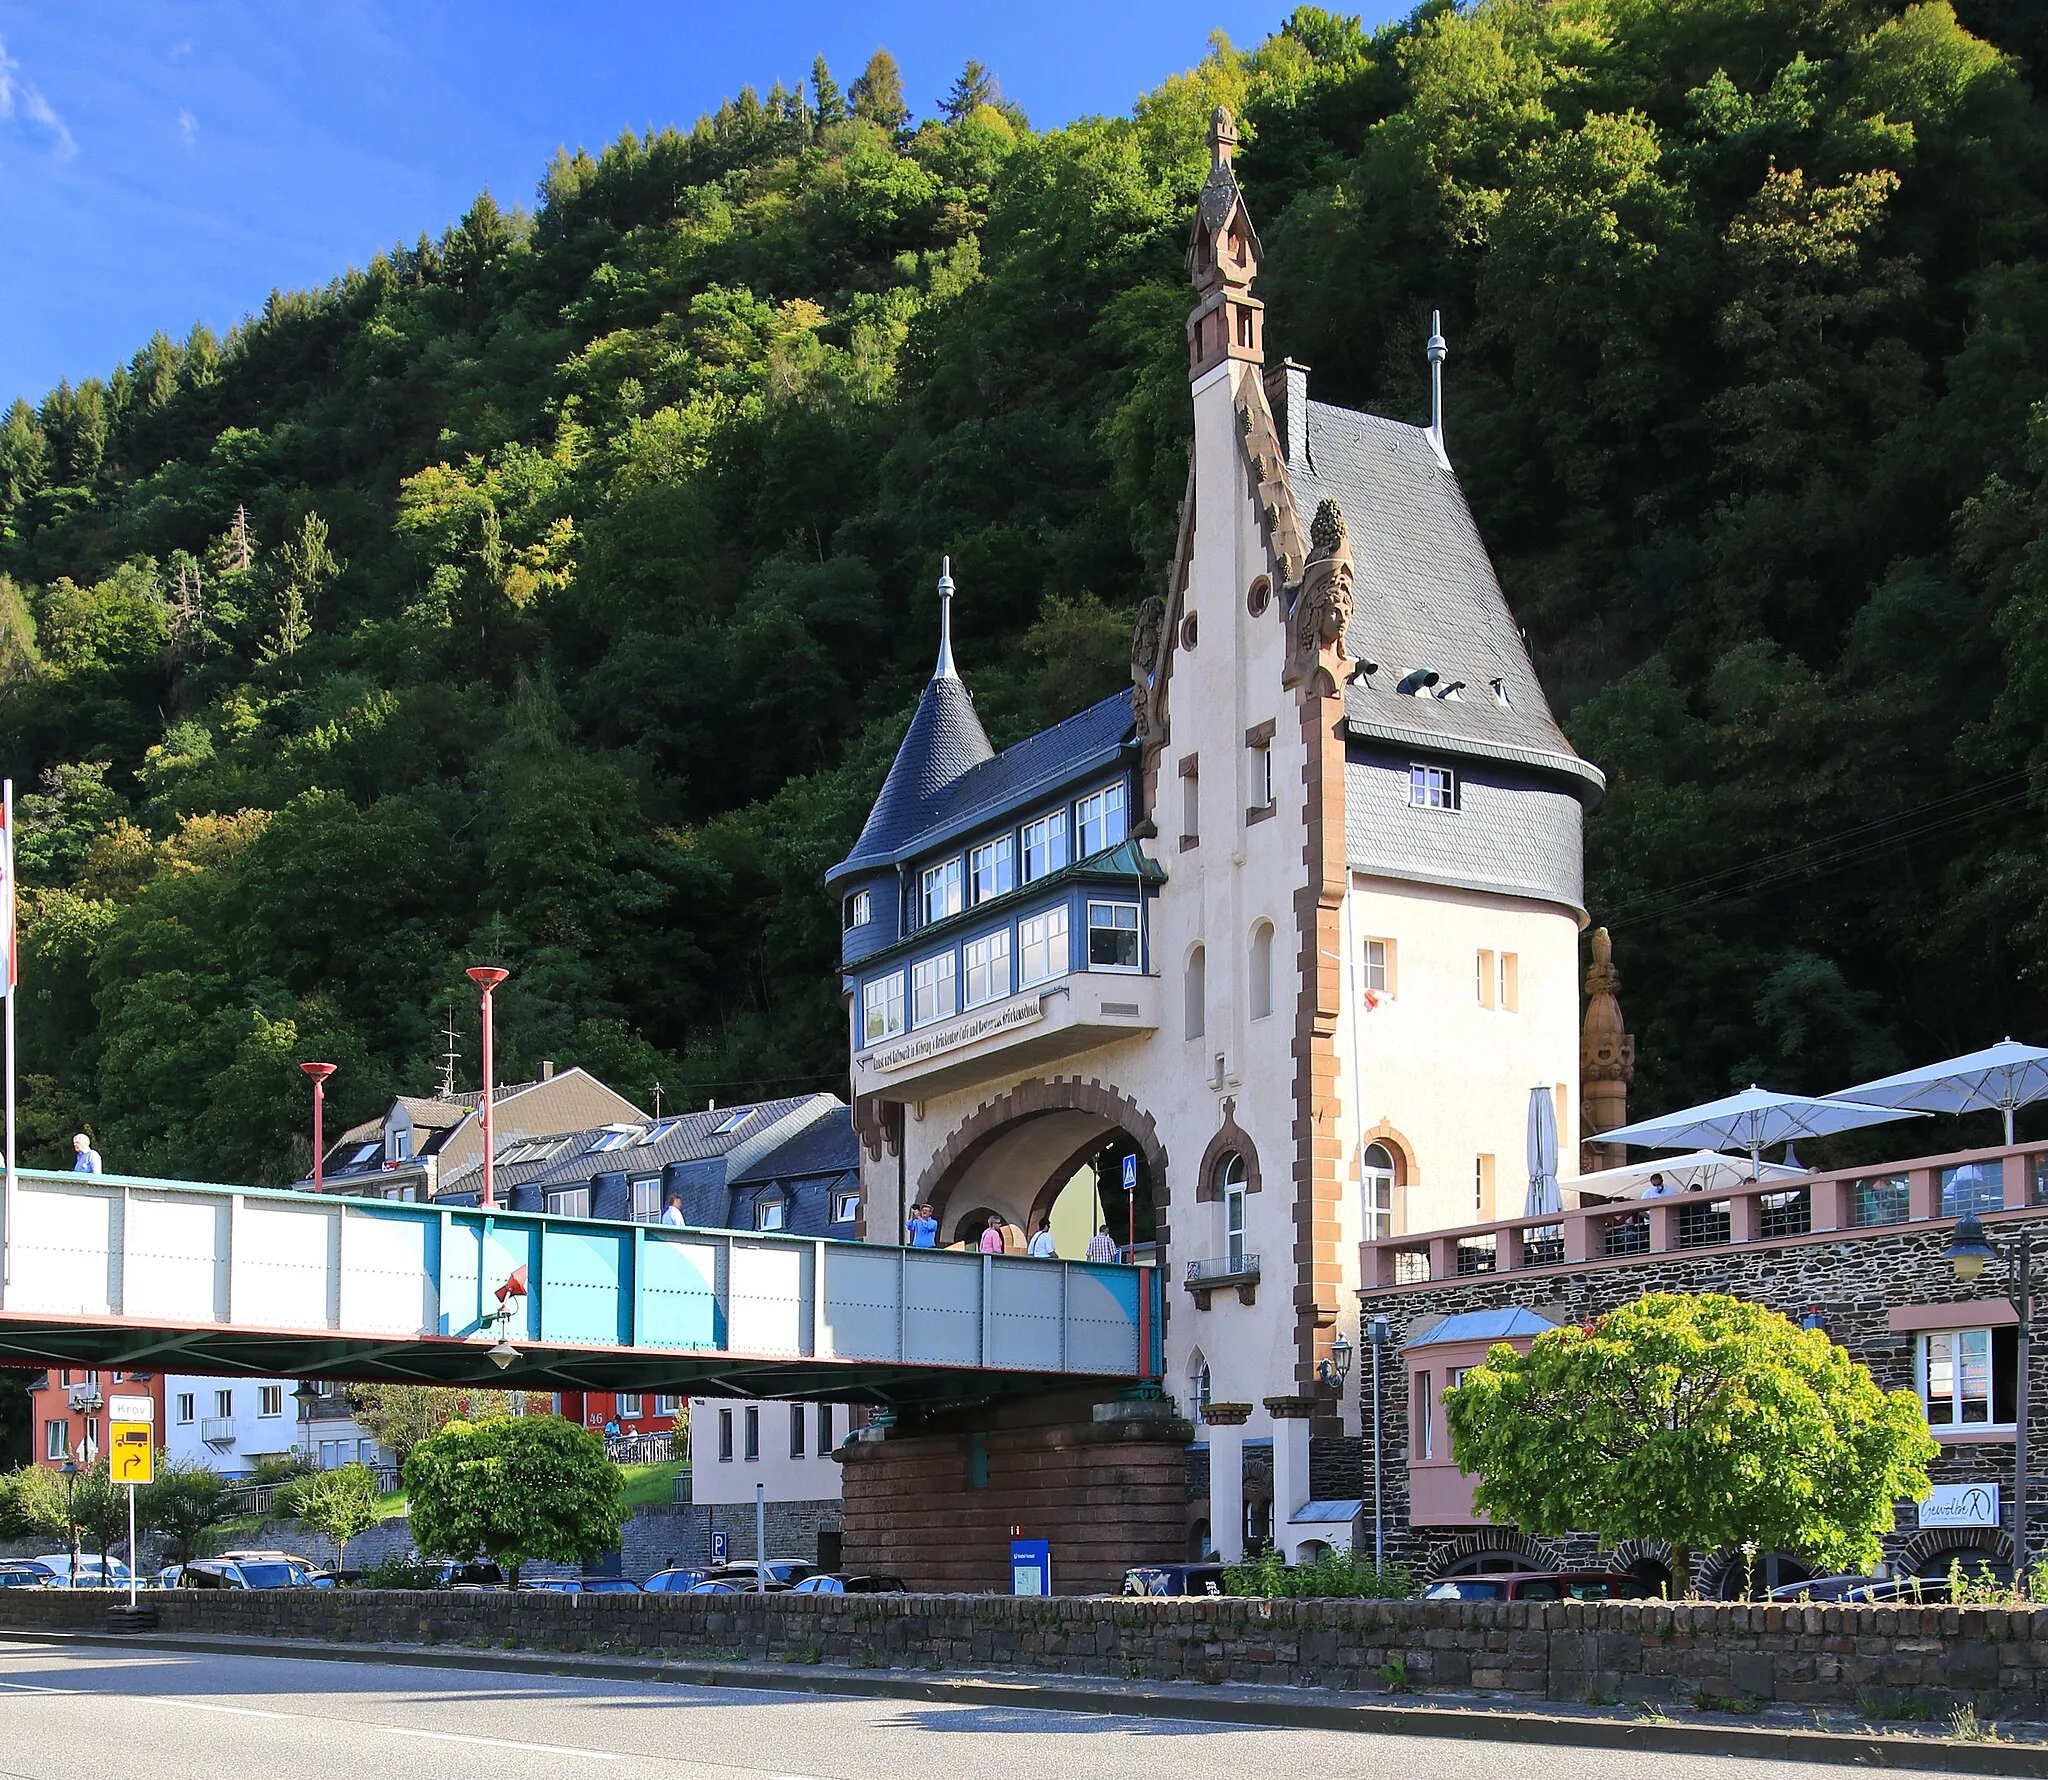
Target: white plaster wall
[[812, 1478]]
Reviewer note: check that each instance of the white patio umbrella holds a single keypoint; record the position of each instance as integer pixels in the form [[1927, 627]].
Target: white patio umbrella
[[1707, 1170], [1544, 1198], [1751, 1120], [2000, 1078]]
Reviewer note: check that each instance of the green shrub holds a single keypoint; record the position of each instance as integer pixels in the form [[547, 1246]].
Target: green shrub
[[1334, 1575], [401, 1570]]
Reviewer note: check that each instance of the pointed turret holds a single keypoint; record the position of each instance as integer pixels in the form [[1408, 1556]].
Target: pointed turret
[[945, 738], [1223, 259]]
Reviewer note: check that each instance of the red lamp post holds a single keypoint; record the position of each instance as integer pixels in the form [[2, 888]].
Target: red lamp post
[[319, 1072], [487, 977]]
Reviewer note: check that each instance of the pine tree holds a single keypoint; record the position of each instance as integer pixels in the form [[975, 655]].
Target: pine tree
[[831, 106], [304, 566], [878, 95], [974, 88]]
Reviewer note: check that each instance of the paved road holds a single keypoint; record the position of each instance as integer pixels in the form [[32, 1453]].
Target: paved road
[[86, 1712]]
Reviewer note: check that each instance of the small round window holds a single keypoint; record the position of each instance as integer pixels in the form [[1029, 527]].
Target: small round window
[[1260, 597]]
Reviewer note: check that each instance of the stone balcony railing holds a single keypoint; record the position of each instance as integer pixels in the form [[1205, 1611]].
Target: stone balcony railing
[[1872, 1198]]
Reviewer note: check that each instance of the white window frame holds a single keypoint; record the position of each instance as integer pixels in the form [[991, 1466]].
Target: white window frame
[[771, 1215], [569, 1202], [1957, 1362], [269, 1399], [942, 890], [846, 1205], [647, 1199], [881, 1005], [56, 1440], [1262, 775], [753, 1433], [631, 1406], [1234, 1180], [223, 1405], [1374, 958], [1101, 820], [934, 989], [860, 909], [1047, 839], [667, 1403], [986, 977], [188, 1408], [992, 869], [1376, 1189], [1117, 926], [725, 1436], [1432, 787], [1045, 937]]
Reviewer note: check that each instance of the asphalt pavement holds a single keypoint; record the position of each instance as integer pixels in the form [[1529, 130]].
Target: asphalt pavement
[[82, 1712]]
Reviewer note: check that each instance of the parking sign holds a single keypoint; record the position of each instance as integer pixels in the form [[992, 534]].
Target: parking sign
[[718, 1548]]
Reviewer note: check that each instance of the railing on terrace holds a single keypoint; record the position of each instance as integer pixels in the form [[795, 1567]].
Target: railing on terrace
[[258, 1498], [1924, 1190]]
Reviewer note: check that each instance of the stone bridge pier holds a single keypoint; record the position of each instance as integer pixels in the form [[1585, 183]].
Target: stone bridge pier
[[937, 1499]]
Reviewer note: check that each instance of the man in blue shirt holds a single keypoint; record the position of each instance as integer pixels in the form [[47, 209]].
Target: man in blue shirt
[[924, 1228], [85, 1159]]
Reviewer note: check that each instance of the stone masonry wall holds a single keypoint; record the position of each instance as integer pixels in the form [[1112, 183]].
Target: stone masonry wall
[[1820, 1656], [1852, 1278]]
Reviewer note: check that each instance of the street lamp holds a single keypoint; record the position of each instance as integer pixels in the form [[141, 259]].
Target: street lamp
[[1969, 1252], [305, 1397], [487, 977], [1379, 1336], [1332, 1372], [319, 1072], [70, 1469]]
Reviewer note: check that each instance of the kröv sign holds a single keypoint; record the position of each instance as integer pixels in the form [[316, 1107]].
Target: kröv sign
[[930, 1044]]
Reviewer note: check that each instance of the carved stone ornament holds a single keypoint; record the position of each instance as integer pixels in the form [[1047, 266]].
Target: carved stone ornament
[[1146, 638], [1322, 608]]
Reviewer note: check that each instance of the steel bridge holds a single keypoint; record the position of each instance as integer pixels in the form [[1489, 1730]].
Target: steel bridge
[[113, 1271]]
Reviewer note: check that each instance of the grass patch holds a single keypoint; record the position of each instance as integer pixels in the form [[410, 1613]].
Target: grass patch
[[1884, 1703], [1965, 1726], [652, 1486]]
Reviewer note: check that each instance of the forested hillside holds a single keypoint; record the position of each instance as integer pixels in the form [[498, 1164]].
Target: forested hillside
[[552, 593]]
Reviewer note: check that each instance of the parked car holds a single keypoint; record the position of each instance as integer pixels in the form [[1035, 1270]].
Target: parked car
[[14, 1575], [850, 1585], [675, 1582], [583, 1585], [781, 1572], [244, 1573], [480, 1574], [1823, 1588], [167, 1577], [713, 1586], [1174, 1579], [1540, 1585], [90, 1574], [306, 1573]]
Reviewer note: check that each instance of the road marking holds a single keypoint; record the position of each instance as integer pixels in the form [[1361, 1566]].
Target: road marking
[[400, 1730], [26, 1687]]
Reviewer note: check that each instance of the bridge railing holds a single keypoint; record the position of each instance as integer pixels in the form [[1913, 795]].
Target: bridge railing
[[186, 1256]]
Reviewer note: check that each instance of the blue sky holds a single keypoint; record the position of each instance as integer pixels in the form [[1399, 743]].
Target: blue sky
[[171, 162]]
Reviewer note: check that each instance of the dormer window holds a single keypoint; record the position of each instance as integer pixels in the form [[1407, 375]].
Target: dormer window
[[1101, 819], [992, 868], [860, 910], [1045, 845], [944, 891]]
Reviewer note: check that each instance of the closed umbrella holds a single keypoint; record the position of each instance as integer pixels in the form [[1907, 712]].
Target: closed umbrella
[[2000, 1078], [1544, 1198], [1750, 1121]]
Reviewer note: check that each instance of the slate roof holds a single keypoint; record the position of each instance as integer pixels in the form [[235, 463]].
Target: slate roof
[[1509, 1323], [944, 740], [825, 1146], [1426, 596], [695, 1137]]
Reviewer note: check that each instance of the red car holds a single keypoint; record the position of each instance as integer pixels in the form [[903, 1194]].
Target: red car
[[1540, 1585]]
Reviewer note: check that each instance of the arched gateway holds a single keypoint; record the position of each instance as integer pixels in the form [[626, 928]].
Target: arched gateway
[[1014, 1154]]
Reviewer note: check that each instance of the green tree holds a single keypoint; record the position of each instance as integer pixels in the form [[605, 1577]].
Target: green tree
[[972, 88], [514, 1489], [184, 1502], [305, 566], [100, 1509], [339, 1503], [402, 1415], [831, 103], [1703, 1420], [877, 95]]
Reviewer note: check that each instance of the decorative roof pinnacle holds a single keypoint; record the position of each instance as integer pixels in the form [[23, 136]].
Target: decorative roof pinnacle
[[945, 669]]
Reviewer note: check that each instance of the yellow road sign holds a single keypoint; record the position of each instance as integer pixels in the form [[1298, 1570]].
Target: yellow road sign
[[131, 1451]]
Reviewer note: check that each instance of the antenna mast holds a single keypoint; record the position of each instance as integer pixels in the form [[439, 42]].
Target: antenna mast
[[448, 1059]]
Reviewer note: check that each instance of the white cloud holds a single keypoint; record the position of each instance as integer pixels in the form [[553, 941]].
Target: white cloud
[[188, 128], [18, 98]]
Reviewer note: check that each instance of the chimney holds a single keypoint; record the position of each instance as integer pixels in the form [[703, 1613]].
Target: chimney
[[547, 1069]]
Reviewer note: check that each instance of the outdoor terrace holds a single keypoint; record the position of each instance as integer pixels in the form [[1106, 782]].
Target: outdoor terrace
[[1872, 1199]]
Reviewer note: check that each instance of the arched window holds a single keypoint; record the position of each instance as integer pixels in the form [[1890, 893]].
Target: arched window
[[1262, 970], [1196, 993], [1376, 1169], [1198, 1383], [1231, 1180]]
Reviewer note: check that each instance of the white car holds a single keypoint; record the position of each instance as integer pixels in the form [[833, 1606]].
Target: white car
[[90, 1575]]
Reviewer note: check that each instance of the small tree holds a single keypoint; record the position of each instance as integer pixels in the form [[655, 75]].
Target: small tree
[[515, 1488], [340, 1503], [35, 1503], [1700, 1419], [402, 1415], [184, 1503], [100, 1507]]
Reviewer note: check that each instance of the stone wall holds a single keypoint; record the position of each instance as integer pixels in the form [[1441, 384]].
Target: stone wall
[[939, 1505], [1853, 1278], [1568, 1651]]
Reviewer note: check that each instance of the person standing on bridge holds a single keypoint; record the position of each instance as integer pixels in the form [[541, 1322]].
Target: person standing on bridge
[[924, 1228], [1041, 1246], [85, 1159], [992, 1242], [673, 1213], [1102, 1245]]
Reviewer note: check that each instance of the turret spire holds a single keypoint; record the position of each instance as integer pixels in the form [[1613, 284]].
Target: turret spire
[[945, 670], [1438, 351]]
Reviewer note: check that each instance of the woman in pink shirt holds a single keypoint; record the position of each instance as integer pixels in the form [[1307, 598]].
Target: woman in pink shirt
[[992, 1238]]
